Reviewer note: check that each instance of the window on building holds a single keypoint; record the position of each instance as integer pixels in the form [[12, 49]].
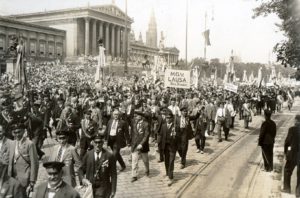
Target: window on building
[[51, 50], [32, 48], [2, 43], [59, 51], [42, 49]]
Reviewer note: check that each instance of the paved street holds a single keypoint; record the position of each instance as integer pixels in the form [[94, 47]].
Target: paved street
[[234, 167]]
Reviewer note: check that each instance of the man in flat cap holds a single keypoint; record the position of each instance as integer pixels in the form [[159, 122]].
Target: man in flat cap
[[55, 186], [267, 139], [139, 143], [64, 152], [99, 168], [23, 162]]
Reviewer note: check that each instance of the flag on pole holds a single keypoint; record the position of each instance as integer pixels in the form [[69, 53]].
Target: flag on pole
[[206, 37]]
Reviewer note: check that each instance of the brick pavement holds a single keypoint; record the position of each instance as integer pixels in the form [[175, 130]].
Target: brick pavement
[[156, 184]]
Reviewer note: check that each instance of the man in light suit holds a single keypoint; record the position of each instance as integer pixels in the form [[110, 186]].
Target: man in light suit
[[23, 158], [117, 136], [10, 187], [55, 186], [64, 152], [211, 111], [99, 167]]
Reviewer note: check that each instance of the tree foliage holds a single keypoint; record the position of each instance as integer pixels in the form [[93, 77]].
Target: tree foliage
[[288, 11]]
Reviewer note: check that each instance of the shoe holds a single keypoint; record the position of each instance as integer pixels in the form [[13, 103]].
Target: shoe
[[198, 151], [226, 138], [147, 173], [220, 140], [202, 152], [133, 179], [159, 161], [286, 191], [182, 166], [170, 182], [122, 169]]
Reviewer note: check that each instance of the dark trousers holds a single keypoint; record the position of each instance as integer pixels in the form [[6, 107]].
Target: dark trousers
[[169, 155], [183, 144], [161, 152], [85, 144], [211, 126], [232, 122], [221, 126], [112, 143], [267, 153], [200, 141], [38, 141], [288, 171]]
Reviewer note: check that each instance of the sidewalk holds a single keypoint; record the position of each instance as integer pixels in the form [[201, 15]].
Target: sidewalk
[[156, 184]]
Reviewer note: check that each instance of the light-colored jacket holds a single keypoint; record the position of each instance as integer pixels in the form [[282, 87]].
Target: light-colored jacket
[[26, 165], [69, 158]]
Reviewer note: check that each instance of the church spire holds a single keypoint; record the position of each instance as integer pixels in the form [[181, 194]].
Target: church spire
[[151, 35]]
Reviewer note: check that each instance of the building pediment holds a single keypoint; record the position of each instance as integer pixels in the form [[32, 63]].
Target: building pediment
[[112, 10]]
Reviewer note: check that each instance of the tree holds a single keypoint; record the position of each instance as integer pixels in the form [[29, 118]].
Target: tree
[[288, 11]]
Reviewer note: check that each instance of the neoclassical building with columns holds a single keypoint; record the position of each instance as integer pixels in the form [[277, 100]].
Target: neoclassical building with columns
[[84, 26]]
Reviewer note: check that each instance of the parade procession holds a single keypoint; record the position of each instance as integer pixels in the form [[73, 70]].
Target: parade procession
[[87, 110]]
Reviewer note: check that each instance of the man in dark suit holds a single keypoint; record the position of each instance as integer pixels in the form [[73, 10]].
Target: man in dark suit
[[185, 133], [88, 131], [292, 153], [117, 136], [55, 186], [266, 140], [99, 166], [168, 133], [160, 120], [10, 187], [139, 143]]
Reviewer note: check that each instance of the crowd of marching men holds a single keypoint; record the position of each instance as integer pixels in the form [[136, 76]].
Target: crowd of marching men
[[81, 118]]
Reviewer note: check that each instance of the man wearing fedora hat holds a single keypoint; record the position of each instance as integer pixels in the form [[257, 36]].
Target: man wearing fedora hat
[[139, 143], [64, 152], [99, 168], [55, 186]]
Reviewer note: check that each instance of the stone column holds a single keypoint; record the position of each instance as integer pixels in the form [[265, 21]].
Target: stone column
[[87, 36], [28, 53], [100, 29], [37, 47], [113, 41], [94, 38], [124, 41], [118, 40], [107, 39]]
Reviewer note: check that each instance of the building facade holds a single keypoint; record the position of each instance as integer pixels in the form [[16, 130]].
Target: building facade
[[41, 43], [84, 26]]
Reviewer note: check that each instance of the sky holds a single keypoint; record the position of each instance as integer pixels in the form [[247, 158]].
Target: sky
[[230, 22]]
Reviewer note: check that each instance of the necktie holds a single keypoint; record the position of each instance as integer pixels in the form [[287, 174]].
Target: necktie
[[59, 154], [114, 124], [97, 159]]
